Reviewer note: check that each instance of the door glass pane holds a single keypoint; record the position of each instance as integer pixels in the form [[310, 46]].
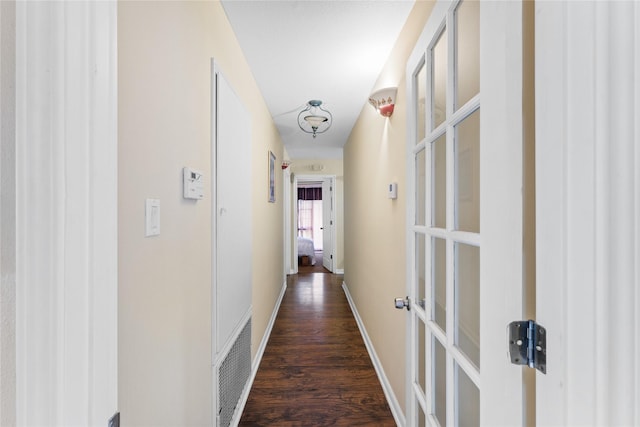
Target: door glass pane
[[420, 187], [439, 82], [439, 382], [421, 89], [421, 269], [467, 174], [467, 18], [439, 268], [422, 418], [421, 356], [439, 182], [467, 307], [468, 400]]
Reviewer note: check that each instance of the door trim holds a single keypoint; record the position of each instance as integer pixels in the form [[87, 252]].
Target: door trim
[[588, 216], [66, 213]]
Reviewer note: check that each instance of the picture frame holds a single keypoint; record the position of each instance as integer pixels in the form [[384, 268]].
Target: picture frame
[[272, 177]]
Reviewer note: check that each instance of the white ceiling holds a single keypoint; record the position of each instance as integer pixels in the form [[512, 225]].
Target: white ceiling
[[329, 50]]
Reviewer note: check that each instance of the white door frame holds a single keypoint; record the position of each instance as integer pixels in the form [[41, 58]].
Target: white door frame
[[588, 211], [294, 224], [287, 236], [66, 213]]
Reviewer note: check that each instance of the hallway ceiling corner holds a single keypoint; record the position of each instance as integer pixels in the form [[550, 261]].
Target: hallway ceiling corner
[[330, 50]]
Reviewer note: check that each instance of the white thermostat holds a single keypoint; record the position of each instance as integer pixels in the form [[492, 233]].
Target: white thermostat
[[393, 190], [193, 184]]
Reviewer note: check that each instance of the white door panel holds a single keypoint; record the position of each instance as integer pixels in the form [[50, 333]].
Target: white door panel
[[465, 236], [232, 213], [327, 223]]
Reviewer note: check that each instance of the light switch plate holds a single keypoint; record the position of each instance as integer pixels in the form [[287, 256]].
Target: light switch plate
[[152, 217]]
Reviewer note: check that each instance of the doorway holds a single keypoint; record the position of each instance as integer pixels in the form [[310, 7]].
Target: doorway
[[314, 224]]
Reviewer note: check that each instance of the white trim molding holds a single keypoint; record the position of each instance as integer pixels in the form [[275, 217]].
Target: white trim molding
[[66, 222], [396, 409], [7, 213], [588, 211]]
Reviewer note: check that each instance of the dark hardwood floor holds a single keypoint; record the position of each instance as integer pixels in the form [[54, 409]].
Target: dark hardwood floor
[[317, 268], [315, 370]]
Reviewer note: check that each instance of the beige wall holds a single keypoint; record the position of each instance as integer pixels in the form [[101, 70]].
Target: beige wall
[[375, 252], [329, 167], [164, 51]]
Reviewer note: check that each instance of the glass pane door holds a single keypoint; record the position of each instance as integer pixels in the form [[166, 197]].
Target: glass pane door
[[446, 230]]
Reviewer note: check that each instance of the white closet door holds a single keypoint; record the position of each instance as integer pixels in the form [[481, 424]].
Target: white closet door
[[233, 227]]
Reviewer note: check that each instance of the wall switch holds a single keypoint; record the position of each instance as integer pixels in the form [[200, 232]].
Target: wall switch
[[152, 217]]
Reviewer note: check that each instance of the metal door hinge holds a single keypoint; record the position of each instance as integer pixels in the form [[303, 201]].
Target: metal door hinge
[[528, 344]]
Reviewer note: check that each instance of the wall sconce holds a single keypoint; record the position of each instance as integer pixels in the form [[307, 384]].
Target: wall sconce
[[384, 100], [285, 164]]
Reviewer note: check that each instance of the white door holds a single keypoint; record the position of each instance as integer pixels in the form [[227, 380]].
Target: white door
[[588, 211], [231, 248], [464, 215], [232, 204], [327, 223]]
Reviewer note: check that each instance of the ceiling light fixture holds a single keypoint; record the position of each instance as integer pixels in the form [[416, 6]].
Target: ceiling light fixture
[[312, 120], [384, 100]]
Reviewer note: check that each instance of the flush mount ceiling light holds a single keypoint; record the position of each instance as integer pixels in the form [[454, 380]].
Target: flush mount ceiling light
[[384, 100], [314, 119]]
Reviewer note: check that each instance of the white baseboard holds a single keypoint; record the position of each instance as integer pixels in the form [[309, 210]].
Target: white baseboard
[[396, 410], [339, 271], [256, 360]]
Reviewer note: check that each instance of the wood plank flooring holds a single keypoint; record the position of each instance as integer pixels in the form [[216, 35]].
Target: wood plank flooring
[[315, 370], [318, 268]]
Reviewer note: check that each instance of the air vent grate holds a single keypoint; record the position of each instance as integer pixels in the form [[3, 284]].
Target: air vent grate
[[233, 373]]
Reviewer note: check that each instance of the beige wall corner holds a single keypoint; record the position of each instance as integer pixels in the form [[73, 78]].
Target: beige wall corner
[[164, 53], [375, 226]]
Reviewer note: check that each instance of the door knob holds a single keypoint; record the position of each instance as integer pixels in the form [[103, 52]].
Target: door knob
[[402, 303]]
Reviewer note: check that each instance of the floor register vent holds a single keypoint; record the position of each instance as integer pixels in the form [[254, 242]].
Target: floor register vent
[[233, 373]]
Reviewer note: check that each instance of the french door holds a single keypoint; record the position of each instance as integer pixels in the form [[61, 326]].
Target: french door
[[464, 207]]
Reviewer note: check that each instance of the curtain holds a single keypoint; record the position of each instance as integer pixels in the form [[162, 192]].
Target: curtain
[[309, 193]]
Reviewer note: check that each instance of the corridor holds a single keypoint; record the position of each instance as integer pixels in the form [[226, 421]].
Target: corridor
[[315, 370]]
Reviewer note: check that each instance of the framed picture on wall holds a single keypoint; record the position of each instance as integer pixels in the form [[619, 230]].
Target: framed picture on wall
[[272, 177]]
